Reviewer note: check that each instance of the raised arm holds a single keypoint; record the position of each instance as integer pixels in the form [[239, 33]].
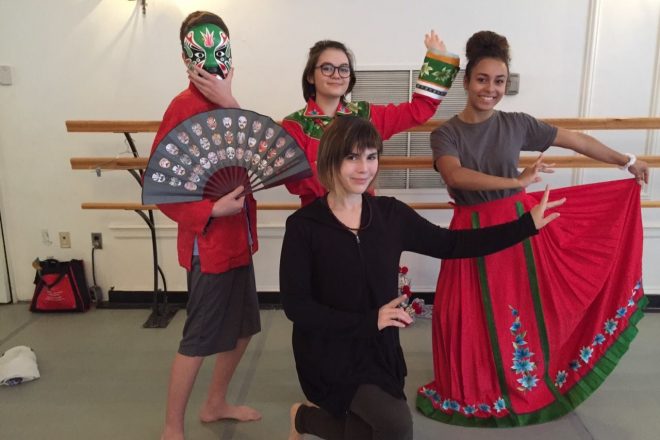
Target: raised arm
[[435, 78], [591, 147]]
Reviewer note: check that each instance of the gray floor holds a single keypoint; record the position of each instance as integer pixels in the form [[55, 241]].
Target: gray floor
[[104, 377]]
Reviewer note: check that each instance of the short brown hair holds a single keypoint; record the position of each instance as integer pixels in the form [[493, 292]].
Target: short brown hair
[[200, 17], [341, 138], [309, 90]]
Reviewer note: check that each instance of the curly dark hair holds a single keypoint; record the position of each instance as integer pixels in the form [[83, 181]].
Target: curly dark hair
[[486, 44], [309, 91]]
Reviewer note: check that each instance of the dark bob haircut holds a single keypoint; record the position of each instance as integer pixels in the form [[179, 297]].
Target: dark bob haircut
[[343, 136]]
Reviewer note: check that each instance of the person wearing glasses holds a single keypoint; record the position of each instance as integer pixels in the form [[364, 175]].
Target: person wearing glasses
[[330, 75]]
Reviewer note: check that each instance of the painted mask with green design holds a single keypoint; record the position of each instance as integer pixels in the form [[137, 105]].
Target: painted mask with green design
[[207, 46]]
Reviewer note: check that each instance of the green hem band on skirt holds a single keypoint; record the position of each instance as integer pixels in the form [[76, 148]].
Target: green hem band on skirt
[[575, 396]]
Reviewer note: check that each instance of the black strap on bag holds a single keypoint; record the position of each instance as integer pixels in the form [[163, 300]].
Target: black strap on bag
[[55, 265]]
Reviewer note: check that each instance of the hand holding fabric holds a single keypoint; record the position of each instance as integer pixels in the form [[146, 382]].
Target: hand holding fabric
[[640, 170]]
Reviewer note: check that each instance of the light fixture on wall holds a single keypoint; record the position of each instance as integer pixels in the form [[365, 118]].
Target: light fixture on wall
[[144, 6]]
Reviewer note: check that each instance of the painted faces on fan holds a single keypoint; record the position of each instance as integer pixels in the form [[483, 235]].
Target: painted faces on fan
[[486, 85], [331, 74], [207, 46], [357, 171]]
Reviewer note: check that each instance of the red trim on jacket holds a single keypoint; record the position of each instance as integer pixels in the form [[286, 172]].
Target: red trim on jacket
[[388, 119]]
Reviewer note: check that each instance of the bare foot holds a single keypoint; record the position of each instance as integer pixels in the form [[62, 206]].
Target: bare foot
[[240, 413], [293, 434], [169, 434]]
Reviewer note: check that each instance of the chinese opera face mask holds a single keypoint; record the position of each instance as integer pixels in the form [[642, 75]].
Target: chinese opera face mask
[[207, 46]]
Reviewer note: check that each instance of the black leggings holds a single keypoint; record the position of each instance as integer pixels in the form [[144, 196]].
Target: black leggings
[[373, 414]]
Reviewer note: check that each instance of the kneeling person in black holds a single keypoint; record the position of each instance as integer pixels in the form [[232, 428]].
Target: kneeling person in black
[[338, 281]]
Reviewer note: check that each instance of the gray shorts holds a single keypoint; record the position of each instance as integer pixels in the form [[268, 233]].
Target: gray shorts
[[222, 308]]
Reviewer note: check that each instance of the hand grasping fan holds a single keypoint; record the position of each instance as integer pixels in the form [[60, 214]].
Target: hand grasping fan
[[211, 153]]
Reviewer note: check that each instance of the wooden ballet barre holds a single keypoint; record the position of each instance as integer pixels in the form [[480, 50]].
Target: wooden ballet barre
[[385, 162], [109, 163], [574, 124], [128, 206], [288, 206], [579, 161], [99, 126], [112, 126]]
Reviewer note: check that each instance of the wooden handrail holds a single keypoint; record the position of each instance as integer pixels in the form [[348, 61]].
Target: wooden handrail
[[107, 126], [109, 163], [127, 206], [578, 161], [575, 124], [386, 162], [131, 206], [112, 126]]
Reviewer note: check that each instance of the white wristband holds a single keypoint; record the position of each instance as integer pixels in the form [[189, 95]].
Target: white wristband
[[631, 161]]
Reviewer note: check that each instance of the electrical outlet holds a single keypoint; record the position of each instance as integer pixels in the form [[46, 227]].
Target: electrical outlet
[[97, 240], [65, 240]]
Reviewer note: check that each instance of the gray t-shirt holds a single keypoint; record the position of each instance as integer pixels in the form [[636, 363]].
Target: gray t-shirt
[[491, 147]]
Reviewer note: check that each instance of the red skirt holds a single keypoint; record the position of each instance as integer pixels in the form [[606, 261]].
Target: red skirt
[[525, 335]]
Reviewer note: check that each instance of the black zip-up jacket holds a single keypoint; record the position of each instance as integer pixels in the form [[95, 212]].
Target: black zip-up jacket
[[332, 283]]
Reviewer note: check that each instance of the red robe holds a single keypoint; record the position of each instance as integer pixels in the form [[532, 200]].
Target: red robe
[[222, 241]]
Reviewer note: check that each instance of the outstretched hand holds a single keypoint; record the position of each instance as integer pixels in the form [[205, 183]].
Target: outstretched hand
[[216, 90], [538, 211], [433, 42], [229, 204], [531, 173], [391, 315]]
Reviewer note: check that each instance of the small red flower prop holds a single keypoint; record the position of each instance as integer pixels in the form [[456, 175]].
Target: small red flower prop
[[403, 270], [405, 290]]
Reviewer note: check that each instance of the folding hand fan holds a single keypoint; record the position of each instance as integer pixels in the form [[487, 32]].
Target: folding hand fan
[[211, 153]]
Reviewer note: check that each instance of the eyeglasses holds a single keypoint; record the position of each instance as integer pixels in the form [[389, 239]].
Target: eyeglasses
[[328, 69]]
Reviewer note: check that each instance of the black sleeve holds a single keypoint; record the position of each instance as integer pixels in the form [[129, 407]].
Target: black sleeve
[[300, 306], [423, 237]]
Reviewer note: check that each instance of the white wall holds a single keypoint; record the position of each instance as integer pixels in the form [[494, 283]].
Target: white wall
[[101, 59]]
